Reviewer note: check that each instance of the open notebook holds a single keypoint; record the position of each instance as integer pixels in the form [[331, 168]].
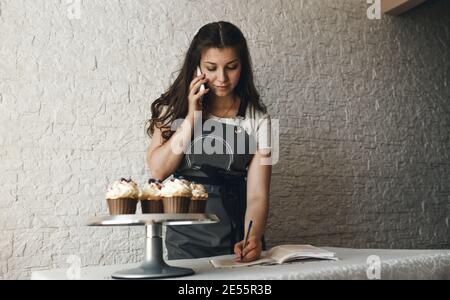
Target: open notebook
[[279, 255]]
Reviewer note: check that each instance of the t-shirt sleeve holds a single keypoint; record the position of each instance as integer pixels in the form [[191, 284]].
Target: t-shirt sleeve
[[264, 132]]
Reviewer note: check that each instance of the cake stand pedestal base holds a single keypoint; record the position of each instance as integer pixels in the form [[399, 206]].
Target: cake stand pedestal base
[[154, 265]]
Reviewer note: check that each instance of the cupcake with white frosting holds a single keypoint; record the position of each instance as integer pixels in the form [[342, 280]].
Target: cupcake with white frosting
[[122, 197], [150, 197], [198, 199], [176, 194]]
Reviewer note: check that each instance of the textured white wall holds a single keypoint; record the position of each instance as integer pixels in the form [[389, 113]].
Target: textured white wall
[[363, 106]]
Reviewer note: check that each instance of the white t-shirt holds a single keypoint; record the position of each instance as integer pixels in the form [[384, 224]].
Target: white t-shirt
[[255, 123]]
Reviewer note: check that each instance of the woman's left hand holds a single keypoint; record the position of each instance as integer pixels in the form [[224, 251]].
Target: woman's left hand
[[251, 252]]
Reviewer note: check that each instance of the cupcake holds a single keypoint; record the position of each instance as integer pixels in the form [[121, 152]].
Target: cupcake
[[150, 197], [122, 197], [176, 195], [198, 199]]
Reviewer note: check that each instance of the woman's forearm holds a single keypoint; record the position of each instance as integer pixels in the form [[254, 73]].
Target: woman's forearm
[[257, 210], [164, 160]]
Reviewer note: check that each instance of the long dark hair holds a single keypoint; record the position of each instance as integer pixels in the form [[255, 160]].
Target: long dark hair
[[213, 35]]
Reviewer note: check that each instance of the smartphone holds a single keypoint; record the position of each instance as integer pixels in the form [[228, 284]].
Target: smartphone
[[202, 86]]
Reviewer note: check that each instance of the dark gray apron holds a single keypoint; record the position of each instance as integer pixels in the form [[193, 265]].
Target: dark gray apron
[[225, 178]]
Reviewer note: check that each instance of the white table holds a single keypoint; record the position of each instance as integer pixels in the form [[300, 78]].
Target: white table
[[353, 264]]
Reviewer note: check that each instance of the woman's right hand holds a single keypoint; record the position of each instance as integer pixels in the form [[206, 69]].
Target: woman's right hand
[[195, 94]]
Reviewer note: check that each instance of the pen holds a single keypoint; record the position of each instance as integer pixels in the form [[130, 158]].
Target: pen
[[246, 238]]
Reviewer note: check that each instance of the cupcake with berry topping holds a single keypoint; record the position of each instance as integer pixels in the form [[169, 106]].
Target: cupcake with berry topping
[[150, 197], [122, 197], [176, 195], [198, 199]]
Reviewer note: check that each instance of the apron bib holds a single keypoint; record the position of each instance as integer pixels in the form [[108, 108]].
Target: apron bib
[[224, 176]]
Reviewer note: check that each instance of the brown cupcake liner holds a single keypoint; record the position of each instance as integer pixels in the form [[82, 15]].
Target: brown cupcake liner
[[152, 206], [199, 198], [197, 206], [124, 206], [150, 198], [176, 205]]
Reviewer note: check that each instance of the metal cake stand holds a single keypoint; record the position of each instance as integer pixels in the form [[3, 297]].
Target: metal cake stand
[[154, 265]]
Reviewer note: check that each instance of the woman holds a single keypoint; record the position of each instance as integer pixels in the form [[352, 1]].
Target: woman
[[236, 179]]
